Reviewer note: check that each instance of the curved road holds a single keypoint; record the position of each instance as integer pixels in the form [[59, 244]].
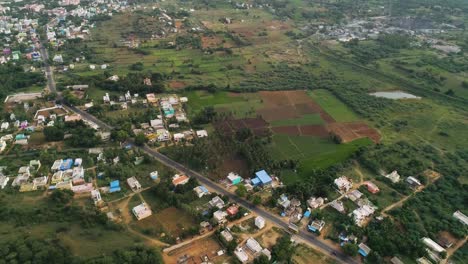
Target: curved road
[[304, 235], [310, 238]]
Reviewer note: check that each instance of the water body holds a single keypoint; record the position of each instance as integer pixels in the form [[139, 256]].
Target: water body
[[395, 95]]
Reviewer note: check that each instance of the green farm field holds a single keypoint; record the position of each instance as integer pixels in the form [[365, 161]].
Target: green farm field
[[334, 107]]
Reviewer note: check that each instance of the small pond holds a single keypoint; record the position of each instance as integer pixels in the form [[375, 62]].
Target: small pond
[[395, 95]]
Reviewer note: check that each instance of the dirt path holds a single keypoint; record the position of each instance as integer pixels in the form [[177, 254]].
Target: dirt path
[[399, 203], [454, 249], [127, 218], [207, 234]]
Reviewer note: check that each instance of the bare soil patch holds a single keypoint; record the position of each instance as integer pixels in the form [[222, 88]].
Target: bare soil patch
[[287, 130], [314, 130], [195, 252], [348, 132], [177, 84]]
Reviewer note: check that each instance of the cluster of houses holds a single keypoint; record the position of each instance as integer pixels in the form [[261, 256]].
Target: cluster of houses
[[412, 181], [19, 38], [251, 250], [25, 179], [69, 174]]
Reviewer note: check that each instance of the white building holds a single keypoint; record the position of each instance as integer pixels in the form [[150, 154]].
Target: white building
[[394, 176], [343, 183], [241, 255], [141, 211], [432, 245], [461, 217], [3, 181], [96, 196], [5, 126], [259, 222], [134, 184], [253, 246], [157, 123], [202, 133], [315, 202], [220, 217]]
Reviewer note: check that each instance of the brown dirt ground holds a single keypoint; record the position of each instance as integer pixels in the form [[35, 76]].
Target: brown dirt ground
[[268, 239], [287, 130], [177, 84], [278, 113], [314, 130], [350, 131], [205, 247], [280, 105]]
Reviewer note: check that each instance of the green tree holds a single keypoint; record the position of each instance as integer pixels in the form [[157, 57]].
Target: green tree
[[53, 133], [119, 135], [283, 250], [351, 249], [262, 259], [241, 190], [140, 139]]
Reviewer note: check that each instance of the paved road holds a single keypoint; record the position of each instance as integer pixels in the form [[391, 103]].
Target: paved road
[[304, 235], [48, 71]]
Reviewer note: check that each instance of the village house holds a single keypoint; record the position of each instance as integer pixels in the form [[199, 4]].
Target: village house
[[362, 213], [432, 245], [142, 211], [227, 235], [216, 202], [364, 250], [372, 187], [234, 178], [413, 182], [232, 210], [157, 123], [354, 195], [114, 186], [253, 246], [220, 217], [259, 222], [134, 184], [241, 255], [262, 179], [179, 179], [283, 201], [3, 181], [96, 196], [393, 177], [315, 203], [201, 133], [343, 183], [316, 225], [338, 205], [461, 217], [200, 191]]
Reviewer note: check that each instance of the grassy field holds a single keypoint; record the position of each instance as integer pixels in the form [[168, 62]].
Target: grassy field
[[304, 255], [310, 119], [312, 152], [239, 105], [334, 107]]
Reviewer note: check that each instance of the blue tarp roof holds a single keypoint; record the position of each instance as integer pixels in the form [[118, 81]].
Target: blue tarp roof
[[307, 214], [114, 189], [66, 164], [204, 189], [256, 181], [263, 176], [311, 228], [114, 184], [362, 252]]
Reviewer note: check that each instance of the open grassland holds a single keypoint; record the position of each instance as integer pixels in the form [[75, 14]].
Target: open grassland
[[308, 119], [334, 107], [239, 105], [311, 152], [304, 255]]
